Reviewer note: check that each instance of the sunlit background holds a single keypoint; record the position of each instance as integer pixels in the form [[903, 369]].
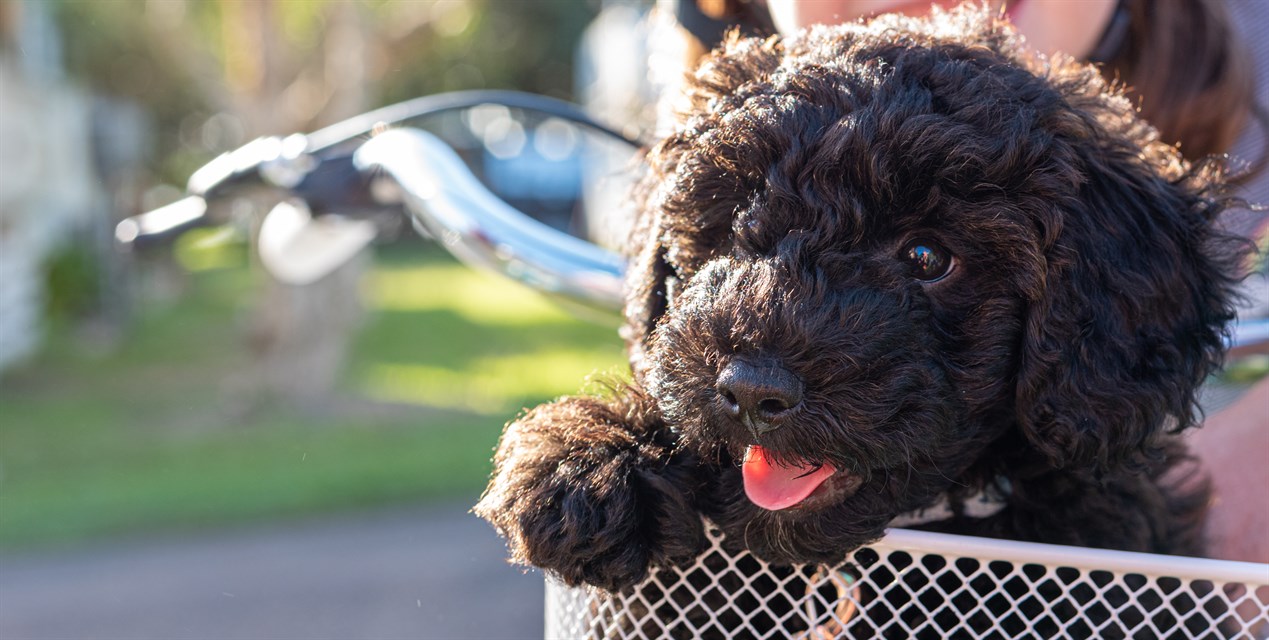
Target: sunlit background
[[190, 448]]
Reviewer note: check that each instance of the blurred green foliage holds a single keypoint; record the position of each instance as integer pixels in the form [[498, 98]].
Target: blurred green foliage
[[106, 49], [182, 60], [72, 282], [507, 45]]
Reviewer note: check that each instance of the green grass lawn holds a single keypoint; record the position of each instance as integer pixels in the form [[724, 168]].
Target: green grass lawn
[[153, 436]]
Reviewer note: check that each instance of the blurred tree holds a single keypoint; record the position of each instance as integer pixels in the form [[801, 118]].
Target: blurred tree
[[217, 73], [284, 66]]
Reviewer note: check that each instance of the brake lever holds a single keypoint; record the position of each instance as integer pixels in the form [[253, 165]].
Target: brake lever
[[227, 172], [327, 184]]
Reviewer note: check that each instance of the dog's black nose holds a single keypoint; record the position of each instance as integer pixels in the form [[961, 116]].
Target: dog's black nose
[[759, 394]]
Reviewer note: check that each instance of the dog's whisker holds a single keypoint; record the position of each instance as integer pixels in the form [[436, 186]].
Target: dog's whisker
[[937, 469], [907, 460]]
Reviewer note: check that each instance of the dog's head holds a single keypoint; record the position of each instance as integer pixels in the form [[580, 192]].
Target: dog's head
[[871, 254]]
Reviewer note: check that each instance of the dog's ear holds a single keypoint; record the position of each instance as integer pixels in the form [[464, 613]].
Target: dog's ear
[[646, 287], [668, 196], [1130, 318]]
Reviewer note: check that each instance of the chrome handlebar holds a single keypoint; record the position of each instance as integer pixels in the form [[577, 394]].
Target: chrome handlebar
[[482, 230]]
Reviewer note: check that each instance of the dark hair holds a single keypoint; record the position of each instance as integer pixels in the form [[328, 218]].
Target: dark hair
[[1192, 75]]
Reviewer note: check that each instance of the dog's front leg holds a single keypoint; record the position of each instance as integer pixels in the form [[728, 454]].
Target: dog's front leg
[[594, 491]]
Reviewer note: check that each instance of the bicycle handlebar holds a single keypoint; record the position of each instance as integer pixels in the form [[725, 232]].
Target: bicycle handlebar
[[442, 196], [317, 167]]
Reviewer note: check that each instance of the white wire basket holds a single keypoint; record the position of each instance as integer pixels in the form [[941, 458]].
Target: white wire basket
[[915, 584]]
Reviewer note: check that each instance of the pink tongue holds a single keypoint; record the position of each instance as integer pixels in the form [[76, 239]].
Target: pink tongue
[[776, 487]]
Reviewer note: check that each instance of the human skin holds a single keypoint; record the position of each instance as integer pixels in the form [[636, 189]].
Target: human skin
[[1050, 26], [1234, 448]]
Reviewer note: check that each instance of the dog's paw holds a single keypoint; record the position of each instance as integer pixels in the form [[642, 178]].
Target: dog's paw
[[583, 491]]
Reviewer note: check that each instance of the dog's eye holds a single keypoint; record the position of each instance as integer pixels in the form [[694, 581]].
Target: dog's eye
[[927, 260]]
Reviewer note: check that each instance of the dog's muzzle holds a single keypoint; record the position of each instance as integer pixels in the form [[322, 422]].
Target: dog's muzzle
[[759, 393]]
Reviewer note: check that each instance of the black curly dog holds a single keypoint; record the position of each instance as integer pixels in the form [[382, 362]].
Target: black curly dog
[[881, 266]]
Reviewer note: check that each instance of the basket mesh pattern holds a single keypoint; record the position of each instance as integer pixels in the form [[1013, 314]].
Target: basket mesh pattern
[[888, 591]]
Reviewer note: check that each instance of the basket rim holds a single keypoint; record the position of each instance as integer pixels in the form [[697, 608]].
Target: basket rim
[[1084, 558]]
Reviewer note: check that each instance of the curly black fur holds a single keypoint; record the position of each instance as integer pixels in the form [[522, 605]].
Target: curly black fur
[[1062, 353]]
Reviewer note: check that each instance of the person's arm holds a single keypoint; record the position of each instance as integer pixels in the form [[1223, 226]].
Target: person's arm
[[1234, 449]]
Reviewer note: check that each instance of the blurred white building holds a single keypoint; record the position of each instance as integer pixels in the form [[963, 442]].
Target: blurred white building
[[47, 183]]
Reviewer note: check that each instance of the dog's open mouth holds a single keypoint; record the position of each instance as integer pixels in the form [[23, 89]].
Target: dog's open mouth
[[805, 486]]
